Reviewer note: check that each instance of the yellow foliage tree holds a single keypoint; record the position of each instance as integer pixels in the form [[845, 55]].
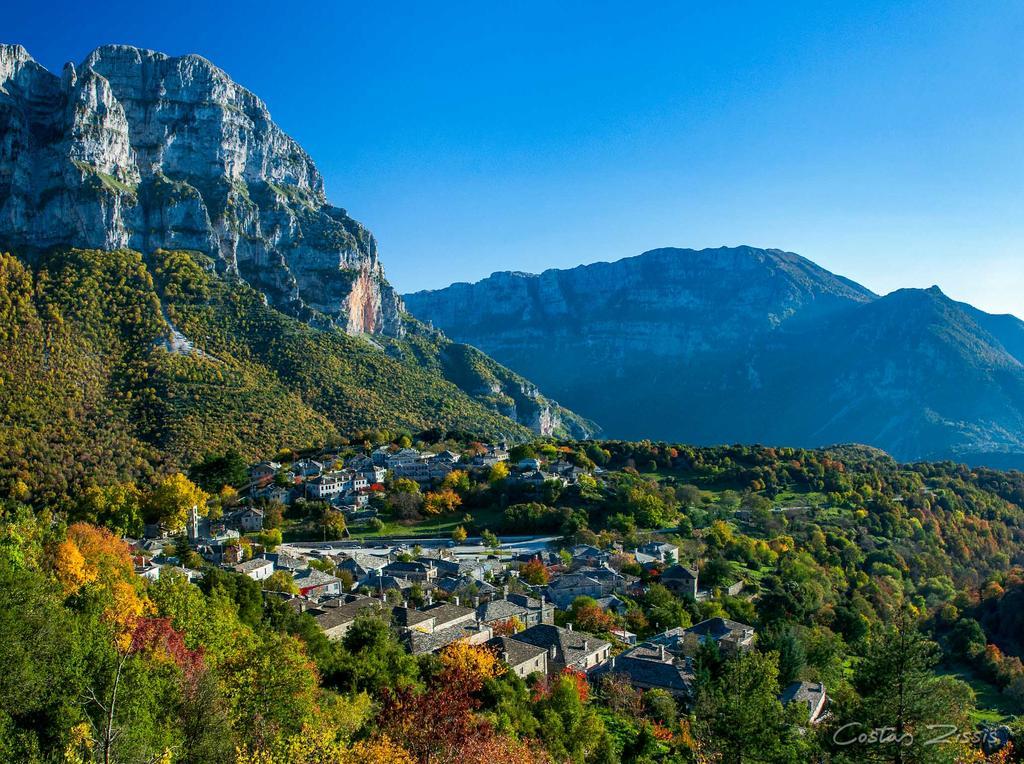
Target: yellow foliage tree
[[457, 480], [70, 568], [123, 613], [172, 498], [96, 557], [498, 472], [378, 750], [476, 663]]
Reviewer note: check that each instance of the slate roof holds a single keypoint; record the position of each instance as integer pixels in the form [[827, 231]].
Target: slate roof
[[451, 584], [410, 617], [645, 666], [568, 643], [313, 577], [810, 694], [420, 643], [718, 628], [364, 561], [329, 616], [500, 610], [610, 603], [400, 567], [445, 613], [679, 571], [572, 581], [287, 561], [450, 567], [248, 566], [518, 652], [526, 601], [383, 583]]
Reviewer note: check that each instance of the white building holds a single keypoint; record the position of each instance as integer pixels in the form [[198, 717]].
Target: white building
[[257, 570]]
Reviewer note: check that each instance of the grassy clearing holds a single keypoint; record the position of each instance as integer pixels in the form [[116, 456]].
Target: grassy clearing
[[992, 705], [490, 518]]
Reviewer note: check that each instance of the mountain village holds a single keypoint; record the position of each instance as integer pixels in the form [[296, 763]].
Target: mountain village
[[512, 596]]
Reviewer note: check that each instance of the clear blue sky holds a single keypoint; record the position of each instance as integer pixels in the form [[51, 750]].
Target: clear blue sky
[[884, 140]]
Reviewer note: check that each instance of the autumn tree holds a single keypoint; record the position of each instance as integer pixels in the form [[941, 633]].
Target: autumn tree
[[588, 616], [497, 473], [457, 480], [281, 581], [508, 626], [333, 523], [534, 572], [116, 506], [441, 502], [172, 498]]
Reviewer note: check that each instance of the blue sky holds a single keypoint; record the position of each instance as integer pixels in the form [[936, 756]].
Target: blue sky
[[883, 140]]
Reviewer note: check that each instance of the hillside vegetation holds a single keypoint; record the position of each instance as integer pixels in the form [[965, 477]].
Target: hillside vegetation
[[114, 366]]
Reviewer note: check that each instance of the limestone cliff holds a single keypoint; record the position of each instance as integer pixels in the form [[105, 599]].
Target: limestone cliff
[[137, 149]]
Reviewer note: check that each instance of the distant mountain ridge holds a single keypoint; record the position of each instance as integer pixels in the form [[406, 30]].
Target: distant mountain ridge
[[752, 345]]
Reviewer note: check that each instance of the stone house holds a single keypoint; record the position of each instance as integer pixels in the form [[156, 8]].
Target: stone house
[[566, 648], [521, 657], [680, 580]]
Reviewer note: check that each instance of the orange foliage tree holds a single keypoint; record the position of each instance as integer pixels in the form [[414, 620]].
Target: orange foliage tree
[[440, 502], [533, 572]]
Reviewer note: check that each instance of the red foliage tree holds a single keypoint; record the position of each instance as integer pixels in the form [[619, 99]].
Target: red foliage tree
[[437, 725]]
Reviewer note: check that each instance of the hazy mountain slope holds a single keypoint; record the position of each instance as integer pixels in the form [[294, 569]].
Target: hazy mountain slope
[[631, 342], [1007, 329], [912, 372], [740, 345]]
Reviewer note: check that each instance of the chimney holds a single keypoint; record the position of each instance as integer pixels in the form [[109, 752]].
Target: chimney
[[569, 626], [430, 598], [504, 591], [455, 599], [586, 644], [476, 602], [553, 651], [661, 652], [504, 656]]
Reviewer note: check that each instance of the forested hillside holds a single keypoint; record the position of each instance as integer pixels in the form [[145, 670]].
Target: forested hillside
[[114, 365]]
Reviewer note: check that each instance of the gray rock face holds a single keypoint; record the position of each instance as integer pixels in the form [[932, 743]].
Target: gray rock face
[[137, 149], [566, 329], [752, 345]]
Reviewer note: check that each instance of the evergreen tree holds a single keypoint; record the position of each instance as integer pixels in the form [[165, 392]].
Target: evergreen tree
[[901, 701], [739, 716]]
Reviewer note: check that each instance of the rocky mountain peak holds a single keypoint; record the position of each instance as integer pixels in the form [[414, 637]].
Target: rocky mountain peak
[[135, 148]]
